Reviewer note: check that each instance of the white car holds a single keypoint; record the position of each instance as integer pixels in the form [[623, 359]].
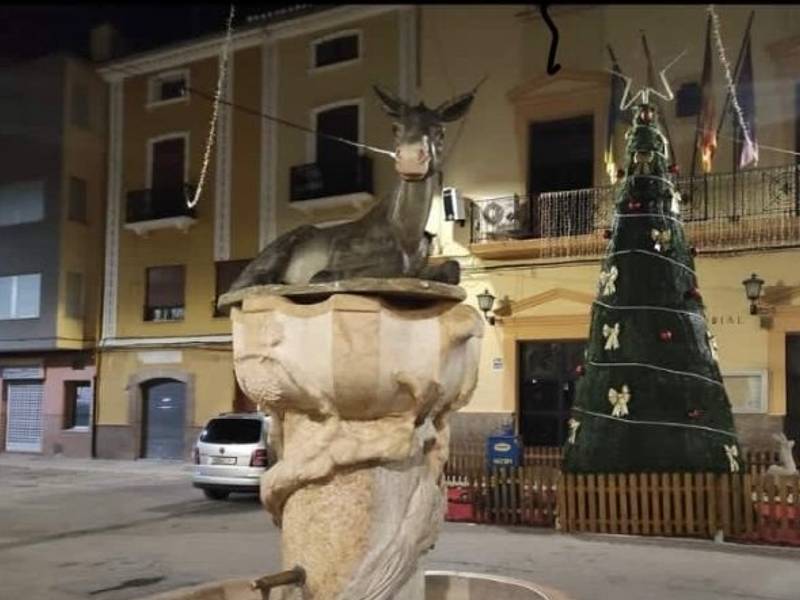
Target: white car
[[231, 454]]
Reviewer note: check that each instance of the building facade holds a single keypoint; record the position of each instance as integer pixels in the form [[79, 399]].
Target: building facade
[[166, 351], [530, 157], [51, 217]]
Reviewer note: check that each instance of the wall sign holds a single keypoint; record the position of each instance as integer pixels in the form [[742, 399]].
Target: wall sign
[[497, 364], [22, 373]]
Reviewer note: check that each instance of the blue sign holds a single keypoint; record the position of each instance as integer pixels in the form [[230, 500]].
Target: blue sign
[[503, 451]]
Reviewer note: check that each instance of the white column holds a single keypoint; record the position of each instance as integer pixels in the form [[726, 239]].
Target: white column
[[113, 209]]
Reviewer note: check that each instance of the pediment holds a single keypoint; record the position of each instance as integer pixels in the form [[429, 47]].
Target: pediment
[[556, 301], [563, 82]]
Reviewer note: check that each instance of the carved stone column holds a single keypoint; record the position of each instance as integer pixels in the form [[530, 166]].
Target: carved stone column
[[360, 388]]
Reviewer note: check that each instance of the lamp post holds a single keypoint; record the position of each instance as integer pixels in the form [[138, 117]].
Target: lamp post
[[752, 287], [485, 303]]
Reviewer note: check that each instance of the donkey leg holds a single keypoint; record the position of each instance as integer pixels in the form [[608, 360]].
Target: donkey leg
[[270, 265]]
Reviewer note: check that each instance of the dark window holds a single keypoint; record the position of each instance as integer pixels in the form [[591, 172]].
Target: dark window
[[168, 164], [232, 431], [76, 203], [78, 404], [687, 100], [164, 296], [227, 272], [547, 390], [168, 87], [74, 304], [80, 105], [336, 50], [341, 122]]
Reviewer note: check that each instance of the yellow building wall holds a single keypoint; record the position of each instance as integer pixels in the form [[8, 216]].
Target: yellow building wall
[[81, 245], [213, 384], [300, 90]]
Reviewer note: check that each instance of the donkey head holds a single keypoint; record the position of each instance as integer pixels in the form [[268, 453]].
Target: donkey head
[[419, 132]]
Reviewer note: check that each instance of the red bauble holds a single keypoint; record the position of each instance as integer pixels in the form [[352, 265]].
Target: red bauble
[[665, 335], [607, 234], [620, 173], [634, 205], [579, 371], [693, 251], [694, 293], [695, 413], [675, 169]]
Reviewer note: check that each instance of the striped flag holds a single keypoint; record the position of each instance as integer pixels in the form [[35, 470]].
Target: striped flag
[[617, 87], [746, 94], [707, 136]]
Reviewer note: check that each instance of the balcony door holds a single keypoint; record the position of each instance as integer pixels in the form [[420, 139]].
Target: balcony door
[[547, 389], [168, 160], [791, 423], [560, 158], [338, 162]]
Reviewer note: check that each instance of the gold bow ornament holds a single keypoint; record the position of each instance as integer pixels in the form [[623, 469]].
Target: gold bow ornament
[[619, 400], [607, 281], [612, 336], [712, 344], [573, 430], [662, 239], [732, 453]]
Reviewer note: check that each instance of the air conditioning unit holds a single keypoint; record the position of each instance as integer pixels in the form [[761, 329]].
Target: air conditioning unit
[[453, 205]]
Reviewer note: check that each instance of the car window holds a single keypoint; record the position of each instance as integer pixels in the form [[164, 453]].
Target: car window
[[232, 431]]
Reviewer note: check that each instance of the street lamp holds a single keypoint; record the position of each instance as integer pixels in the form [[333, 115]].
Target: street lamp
[[485, 303], [752, 287]]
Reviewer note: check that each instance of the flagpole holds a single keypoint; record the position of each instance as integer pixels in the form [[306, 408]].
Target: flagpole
[[651, 83], [697, 132], [736, 70]]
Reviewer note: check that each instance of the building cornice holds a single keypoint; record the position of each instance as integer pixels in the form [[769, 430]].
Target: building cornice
[[195, 50], [165, 341]]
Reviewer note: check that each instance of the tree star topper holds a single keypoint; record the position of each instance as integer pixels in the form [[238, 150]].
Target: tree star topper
[[644, 93]]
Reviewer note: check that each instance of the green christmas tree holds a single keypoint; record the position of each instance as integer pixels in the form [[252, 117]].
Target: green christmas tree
[[650, 397]]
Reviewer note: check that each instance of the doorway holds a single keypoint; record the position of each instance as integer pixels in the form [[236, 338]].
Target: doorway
[[168, 164], [561, 158], [164, 419], [791, 423], [547, 389]]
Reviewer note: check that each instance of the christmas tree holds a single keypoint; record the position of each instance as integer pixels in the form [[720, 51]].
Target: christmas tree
[[650, 397]]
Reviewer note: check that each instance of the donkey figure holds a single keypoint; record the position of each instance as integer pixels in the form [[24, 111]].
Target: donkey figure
[[788, 465], [390, 239]]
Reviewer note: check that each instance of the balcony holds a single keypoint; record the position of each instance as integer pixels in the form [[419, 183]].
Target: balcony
[[146, 210], [314, 186], [748, 210]]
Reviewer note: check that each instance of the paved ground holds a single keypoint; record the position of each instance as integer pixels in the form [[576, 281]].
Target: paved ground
[[121, 530]]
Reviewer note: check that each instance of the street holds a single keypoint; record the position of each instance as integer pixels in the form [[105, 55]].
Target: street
[[116, 530]]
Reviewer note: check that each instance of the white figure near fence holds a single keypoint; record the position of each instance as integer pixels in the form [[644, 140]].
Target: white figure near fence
[[788, 465]]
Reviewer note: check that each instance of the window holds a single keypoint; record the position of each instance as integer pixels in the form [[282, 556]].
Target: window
[[80, 105], [747, 391], [76, 202], [338, 49], [227, 272], [341, 121], [74, 295], [169, 87], [19, 296], [168, 163], [164, 294], [77, 404], [21, 202], [687, 100], [232, 431]]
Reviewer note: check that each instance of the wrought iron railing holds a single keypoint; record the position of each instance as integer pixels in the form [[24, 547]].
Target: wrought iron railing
[[319, 180], [158, 203], [749, 209]]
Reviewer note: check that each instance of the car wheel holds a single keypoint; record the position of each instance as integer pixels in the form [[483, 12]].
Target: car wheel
[[216, 494]]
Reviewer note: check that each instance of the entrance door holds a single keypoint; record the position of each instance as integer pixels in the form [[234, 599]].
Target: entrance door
[[546, 390], [561, 157], [164, 403], [24, 418], [791, 424]]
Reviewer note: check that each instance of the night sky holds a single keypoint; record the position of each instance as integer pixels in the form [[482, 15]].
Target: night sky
[[31, 31]]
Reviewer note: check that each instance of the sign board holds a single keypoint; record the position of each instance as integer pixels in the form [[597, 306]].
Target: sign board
[[497, 364], [35, 372], [747, 391], [160, 357]]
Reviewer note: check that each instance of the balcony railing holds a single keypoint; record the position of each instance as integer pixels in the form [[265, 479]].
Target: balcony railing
[[155, 204], [750, 209], [314, 180]]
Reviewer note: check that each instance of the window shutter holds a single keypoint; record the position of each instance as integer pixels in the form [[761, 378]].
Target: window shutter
[[165, 286]]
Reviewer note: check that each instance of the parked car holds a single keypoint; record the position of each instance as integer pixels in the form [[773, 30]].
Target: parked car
[[231, 453]]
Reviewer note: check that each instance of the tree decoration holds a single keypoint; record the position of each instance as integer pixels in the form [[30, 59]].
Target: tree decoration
[[607, 281], [665, 335], [619, 400], [580, 370], [662, 239], [693, 251], [694, 294], [612, 335], [675, 206], [634, 205], [620, 174], [675, 169], [712, 345], [732, 452], [695, 413], [573, 430], [607, 233]]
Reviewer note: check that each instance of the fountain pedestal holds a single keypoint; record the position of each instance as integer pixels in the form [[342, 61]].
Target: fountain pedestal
[[360, 378]]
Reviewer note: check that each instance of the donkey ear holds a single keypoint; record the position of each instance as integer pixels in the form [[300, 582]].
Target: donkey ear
[[391, 105], [456, 108]]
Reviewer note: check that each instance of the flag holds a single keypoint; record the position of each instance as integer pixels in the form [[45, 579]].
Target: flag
[[746, 95], [617, 85], [707, 135]]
